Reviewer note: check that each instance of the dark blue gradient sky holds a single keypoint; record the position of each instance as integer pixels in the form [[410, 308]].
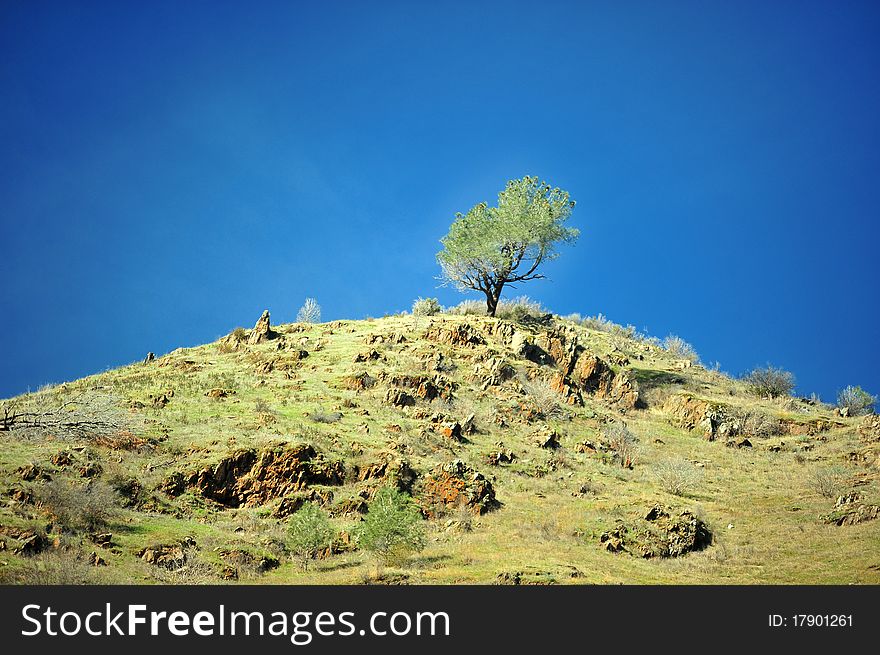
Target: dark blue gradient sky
[[169, 170]]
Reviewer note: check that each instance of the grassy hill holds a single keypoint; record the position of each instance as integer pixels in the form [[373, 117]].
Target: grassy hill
[[541, 450]]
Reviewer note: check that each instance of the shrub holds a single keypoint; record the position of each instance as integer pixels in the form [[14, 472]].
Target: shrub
[[856, 401], [310, 312], [677, 346], [519, 308], [828, 481], [239, 335], [770, 382], [77, 507], [545, 399], [55, 567], [426, 307], [393, 527], [598, 322], [468, 308], [678, 476], [325, 417], [310, 533], [622, 443]]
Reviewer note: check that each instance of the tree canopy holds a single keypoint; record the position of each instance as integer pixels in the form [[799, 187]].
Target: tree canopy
[[490, 247]]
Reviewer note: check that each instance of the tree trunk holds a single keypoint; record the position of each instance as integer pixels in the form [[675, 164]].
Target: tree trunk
[[492, 297]]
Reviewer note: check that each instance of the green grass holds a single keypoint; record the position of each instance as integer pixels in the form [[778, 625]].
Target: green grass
[[545, 528]]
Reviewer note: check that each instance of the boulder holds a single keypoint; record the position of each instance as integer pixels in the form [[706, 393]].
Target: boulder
[[660, 532], [456, 485]]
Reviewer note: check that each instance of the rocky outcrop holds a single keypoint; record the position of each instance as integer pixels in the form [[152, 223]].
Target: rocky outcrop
[[492, 372], [713, 420], [456, 485], [398, 473], [262, 330], [849, 510], [659, 533], [460, 335], [168, 556], [423, 387], [250, 478], [547, 438]]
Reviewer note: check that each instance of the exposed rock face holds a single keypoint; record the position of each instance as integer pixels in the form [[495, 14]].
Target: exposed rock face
[[870, 428], [399, 398], [452, 431], [713, 420], [501, 456], [168, 556], [459, 335], [262, 330], [291, 504], [392, 338], [358, 381], [493, 372], [849, 510], [455, 485], [249, 478], [547, 438], [422, 386], [658, 534], [395, 472]]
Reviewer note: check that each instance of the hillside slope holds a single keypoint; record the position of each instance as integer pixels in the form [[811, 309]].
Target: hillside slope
[[509, 435]]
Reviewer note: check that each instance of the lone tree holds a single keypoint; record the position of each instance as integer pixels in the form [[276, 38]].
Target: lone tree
[[492, 246]]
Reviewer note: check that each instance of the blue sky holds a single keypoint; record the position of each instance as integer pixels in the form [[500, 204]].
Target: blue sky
[[169, 170]]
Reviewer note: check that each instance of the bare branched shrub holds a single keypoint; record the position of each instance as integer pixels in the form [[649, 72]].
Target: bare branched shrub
[[678, 347], [85, 415], [770, 382], [756, 423], [856, 401], [468, 308], [829, 481], [622, 443], [598, 322], [426, 307], [519, 308], [193, 571], [678, 476], [79, 507], [310, 312], [542, 395]]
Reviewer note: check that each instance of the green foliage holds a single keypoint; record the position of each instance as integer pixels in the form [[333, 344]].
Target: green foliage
[[770, 381], [856, 401], [426, 307], [393, 527], [492, 246], [310, 312], [310, 532]]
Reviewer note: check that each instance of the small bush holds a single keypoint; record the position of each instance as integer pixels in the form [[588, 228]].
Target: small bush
[[468, 308], [75, 507], [677, 346], [519, 308], [678, 476], [310, 533], [829, 482], [239, 335], [856, 401], [770, 382], [545, 399], [310, 312], [326, 417], [598, 322], [393, 527], [426, 307], [622, 443]]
